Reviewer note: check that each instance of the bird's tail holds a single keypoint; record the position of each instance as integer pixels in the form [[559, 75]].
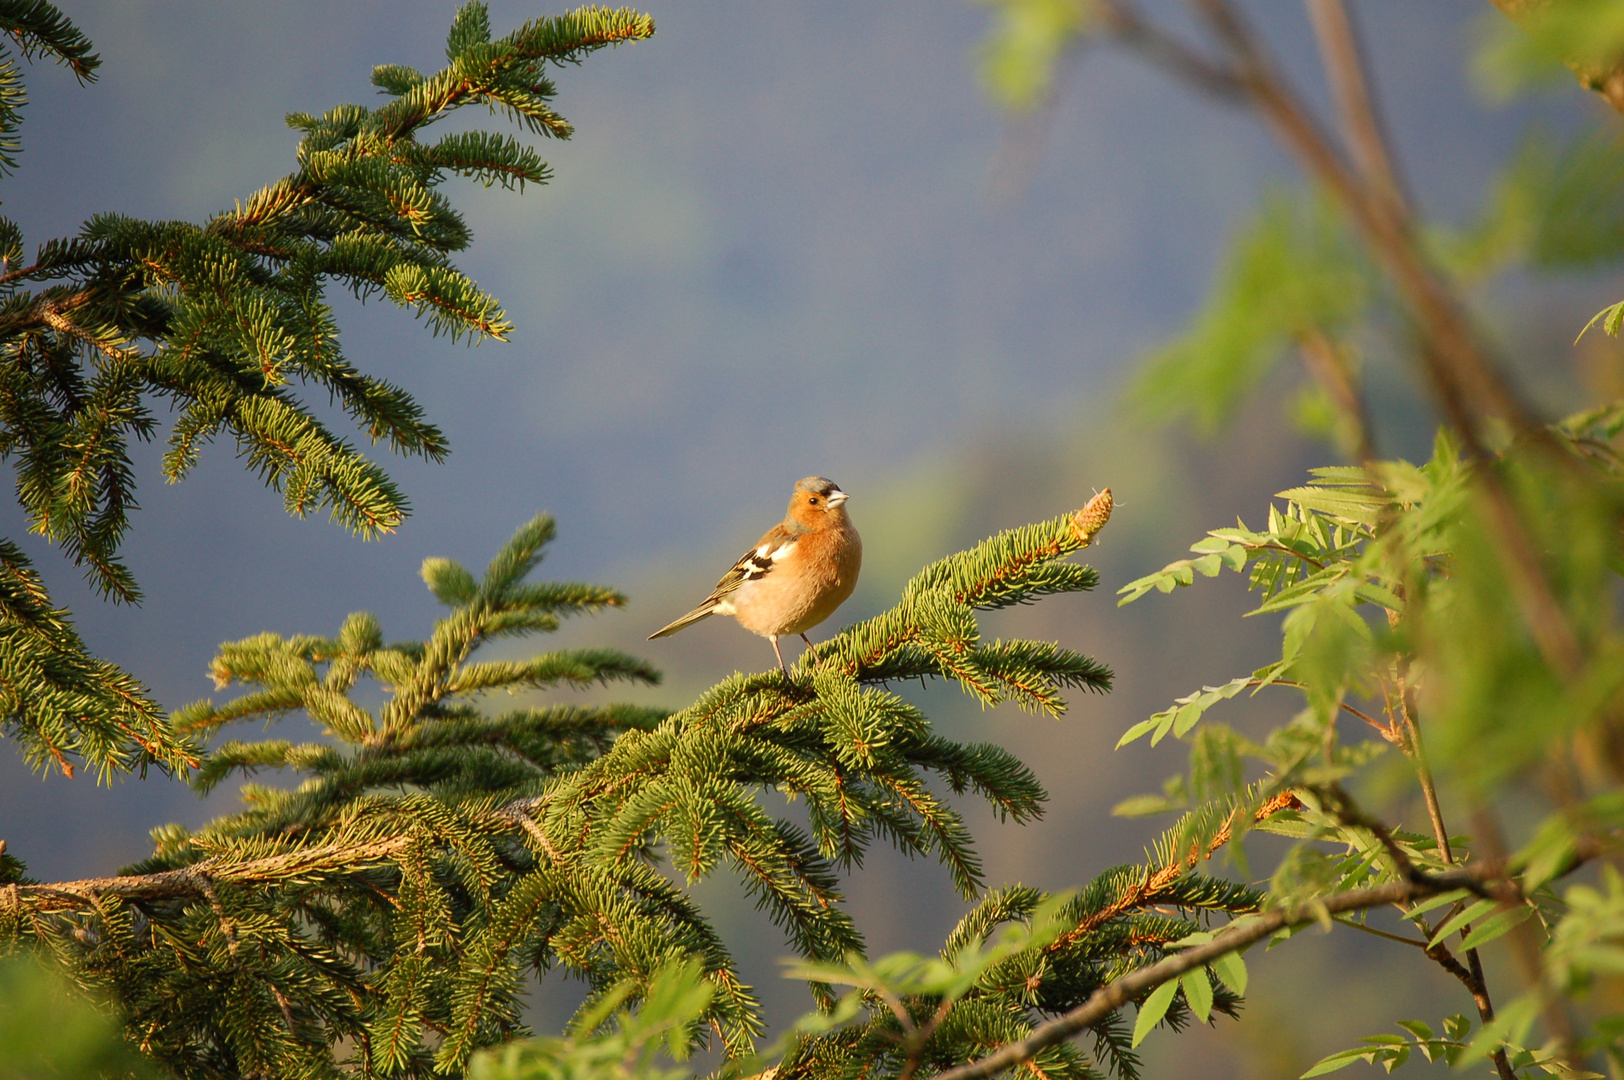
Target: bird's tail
[[703, 611]]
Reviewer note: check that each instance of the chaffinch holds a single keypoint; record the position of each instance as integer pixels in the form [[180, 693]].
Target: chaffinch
[[795, 576]]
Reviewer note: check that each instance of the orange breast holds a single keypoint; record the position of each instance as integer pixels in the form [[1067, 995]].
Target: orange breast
[[802, 592]]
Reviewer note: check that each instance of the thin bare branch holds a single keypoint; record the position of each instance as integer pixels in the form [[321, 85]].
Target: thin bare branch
[[1458, 357], [1471, 976], [1526, 948], [1330, 367], [1362, 127], [1466, 382], [1429, 790], [1363, 929], [1123, 21], [1237, 936]]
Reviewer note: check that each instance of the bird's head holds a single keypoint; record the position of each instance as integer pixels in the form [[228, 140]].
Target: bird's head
[[817, 503]]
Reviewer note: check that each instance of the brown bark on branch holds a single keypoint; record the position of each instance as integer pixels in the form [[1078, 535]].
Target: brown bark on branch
[[1470, 975], [1487, 878], [198, 878], [1466, 383], [1362, 127], [1130, 28]]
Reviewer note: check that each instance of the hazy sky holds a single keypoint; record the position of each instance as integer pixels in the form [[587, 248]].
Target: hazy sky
[[771, 250]]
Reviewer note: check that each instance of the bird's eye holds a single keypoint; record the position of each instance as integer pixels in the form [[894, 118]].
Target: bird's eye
[[813, 500]]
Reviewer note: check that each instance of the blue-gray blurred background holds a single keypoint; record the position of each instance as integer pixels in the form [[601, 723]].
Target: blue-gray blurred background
[[788, 238]]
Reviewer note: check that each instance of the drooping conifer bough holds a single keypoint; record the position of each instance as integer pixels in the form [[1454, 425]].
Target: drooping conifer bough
[[226, 324]]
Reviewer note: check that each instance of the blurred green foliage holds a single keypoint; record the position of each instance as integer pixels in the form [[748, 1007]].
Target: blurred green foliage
[[1449, 630], [1461, 611], [1548, 43], [611, 1040], [1293, 270], [1558, 204], [1400, 613], [1023, 49], [50, 1030]]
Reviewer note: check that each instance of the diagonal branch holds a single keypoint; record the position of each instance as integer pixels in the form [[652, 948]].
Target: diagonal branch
[[197, 879], [1345, 69], [1125, 23], [1237, 936], [1468, 386]]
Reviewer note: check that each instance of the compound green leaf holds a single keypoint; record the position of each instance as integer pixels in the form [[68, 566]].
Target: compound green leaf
[[1198, 993], [1339, 1060], [1154, 1008], [1231, 971], [1497, 926]]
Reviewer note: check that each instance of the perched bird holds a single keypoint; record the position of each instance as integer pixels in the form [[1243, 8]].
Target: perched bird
[[795, 576]]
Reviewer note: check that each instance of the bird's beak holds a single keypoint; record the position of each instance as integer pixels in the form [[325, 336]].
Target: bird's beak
[[836, 497]]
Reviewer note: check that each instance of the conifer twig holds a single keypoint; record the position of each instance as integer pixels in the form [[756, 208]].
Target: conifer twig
[[1488, 877], [1153, 888], [195, 879], [456, 882]]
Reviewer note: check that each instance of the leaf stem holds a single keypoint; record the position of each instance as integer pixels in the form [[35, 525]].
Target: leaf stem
[[1364, 929]]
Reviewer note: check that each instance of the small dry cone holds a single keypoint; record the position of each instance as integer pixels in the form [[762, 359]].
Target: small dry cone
[[1092, 518]]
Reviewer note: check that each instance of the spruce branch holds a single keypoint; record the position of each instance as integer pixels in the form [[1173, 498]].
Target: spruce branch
[[41, 30], [434, 851], [228, 319], [1018, 956], [1488, 878], [60, 702]]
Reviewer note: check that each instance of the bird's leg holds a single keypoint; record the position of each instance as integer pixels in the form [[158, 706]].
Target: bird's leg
[[780, 656], [807, 640]]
